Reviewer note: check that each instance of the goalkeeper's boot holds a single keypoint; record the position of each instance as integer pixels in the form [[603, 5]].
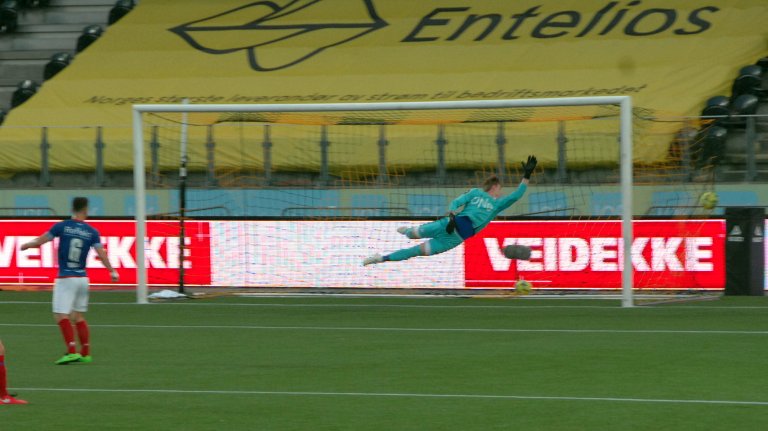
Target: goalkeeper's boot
[[376, 258], [11, 400], [69, 357], [85, 359]]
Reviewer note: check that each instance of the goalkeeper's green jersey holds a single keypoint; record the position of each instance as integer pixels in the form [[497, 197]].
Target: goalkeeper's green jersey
[[481, 208]]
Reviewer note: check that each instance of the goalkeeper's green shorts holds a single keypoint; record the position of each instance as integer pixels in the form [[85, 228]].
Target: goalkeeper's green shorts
[[441, 241]]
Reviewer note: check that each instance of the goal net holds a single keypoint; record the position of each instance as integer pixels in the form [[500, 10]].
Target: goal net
[[299, 195]]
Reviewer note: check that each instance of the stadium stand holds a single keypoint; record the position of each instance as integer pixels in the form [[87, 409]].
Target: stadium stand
[[745, 153], [45, 29]]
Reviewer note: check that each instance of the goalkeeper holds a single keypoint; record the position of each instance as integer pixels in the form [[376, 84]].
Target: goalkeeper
[[478, 208]]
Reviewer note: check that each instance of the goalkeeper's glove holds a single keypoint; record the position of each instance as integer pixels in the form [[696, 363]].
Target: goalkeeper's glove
[[451, 226], [528, 167]]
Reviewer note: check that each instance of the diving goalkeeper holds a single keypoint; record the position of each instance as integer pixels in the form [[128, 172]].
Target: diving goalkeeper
[[468, 215]]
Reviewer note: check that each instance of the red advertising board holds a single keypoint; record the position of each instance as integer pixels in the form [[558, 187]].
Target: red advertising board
[[39, 266], [565, 254], [589, 254]]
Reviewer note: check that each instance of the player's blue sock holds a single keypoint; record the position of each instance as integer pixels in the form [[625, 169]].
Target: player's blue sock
[[404, 254]]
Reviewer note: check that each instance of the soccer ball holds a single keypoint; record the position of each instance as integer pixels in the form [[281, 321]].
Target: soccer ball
[[708, 200], [522, 287]]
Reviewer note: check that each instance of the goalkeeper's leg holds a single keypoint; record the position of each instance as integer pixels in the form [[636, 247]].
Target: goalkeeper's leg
[[427, 230], [434, 246]]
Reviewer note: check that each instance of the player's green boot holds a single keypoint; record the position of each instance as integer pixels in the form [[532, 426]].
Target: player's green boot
[[86, 359], [69, 357]]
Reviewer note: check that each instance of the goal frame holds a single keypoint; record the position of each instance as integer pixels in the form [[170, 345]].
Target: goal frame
[[625, 162]]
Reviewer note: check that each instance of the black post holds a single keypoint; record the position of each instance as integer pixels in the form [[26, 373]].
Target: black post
[[182, 215], [441, 143], [501, 141], [210, 147], [744, 251], [45, 172], [383, 175], [267, 146], [562, 153], [324, 144], [99, 157]]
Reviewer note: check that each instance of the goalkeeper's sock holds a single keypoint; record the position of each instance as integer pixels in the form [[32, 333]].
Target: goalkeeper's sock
[[83, 335], [3, 378], [68, 333], [404, 254]]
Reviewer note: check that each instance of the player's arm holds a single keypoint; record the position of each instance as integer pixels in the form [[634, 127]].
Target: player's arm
[[513, 197], [105, 260], [528, 167], [460, 202], [37, 242]]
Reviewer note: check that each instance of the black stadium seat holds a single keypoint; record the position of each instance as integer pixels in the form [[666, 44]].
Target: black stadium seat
[[746, 84], [120, 9], [719, 101], [9, 16], [34, 3], [752, 69], [745, 104], [58, 62], [23, 92], [89, 35], [712, 145], [715, 111]]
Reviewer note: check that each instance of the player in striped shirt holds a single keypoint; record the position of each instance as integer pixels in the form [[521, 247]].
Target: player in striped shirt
[[468, 215], [70, 291]]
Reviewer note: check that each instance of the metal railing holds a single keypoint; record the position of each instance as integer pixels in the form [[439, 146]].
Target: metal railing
[[745, 134]]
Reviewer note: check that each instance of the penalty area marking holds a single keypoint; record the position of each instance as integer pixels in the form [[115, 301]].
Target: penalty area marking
[[404, 395]]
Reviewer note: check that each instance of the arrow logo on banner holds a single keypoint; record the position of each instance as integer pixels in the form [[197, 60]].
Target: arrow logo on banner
[[259, 26]]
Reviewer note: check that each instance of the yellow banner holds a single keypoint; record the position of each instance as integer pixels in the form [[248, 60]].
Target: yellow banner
[[669, 56]]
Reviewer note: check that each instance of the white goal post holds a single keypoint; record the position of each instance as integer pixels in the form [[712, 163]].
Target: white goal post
[[625, 159]]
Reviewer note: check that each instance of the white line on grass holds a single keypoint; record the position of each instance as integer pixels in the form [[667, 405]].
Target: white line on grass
[[400, 395], [341, 305], [391, 329]]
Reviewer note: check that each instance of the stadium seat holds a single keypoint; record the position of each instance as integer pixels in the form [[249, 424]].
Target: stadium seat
[[58, 62], [717, 107], [763, 63], [119, 10], [9, 16], [23, 92], [723, 101], [711, 144], [89, 35], [752, 69], [34, 3], [745, 104], [746, 84]]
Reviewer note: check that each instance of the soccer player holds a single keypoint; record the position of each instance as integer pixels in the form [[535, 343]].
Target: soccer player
[[5, 397], [70, 291], [478, 208]]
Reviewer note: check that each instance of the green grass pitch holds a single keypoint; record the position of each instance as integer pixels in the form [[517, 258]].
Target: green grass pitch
[[350, 363]]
